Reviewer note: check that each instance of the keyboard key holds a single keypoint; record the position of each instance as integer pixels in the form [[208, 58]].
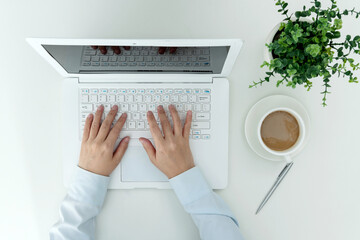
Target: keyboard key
[[197, 107], [111, 98], [183, 98], [148, 98], [206, 107], [206, 91], [204, 98], [102, 98], [129, 98], [192, 98], [206, 136], [86, 107], [120, 98], [196, 136], [93, 98], [95, 58], [138, 98], [84, 98], [94, 91], [202, 116], [107, 107], [133, 107], [124, 107], [131, 125], [200, 125], [136, 116], [86, 58], [196, 132], [142, 107], [140, 125], [174, 98], [104, 58], [152, 107]]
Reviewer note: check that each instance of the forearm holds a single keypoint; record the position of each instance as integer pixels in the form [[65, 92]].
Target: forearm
[[209, 212], [81, 205]]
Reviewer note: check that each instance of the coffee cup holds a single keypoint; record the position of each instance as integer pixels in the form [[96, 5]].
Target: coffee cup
[[281, 131]]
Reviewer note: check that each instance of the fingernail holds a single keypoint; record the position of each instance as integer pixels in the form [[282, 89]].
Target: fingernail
[[127, 139], [149, 113], [160, 107], [100, 107], [114, 107], [141, 140], [171, 106], [123, 115]]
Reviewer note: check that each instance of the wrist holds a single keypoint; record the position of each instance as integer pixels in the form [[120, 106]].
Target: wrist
[[180, 171]]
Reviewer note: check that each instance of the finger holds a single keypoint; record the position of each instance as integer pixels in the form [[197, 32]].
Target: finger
[[115, 131], [154, 128], [176, 120], [172, 50], [149, 148], [103, 49], [96, 123], [126, 48], [116, 50], [162, 50], [87, 127], [94, 47], [121, 149], [187, 125], [106, 124], [165, 124]]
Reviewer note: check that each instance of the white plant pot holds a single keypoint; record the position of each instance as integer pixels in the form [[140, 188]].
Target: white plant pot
[[267, 54]]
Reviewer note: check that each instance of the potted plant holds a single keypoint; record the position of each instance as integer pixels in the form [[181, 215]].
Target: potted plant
[[307, 45]]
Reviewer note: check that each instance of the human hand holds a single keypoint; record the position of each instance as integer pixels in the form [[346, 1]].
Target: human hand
[[172, 155], [97, 153]]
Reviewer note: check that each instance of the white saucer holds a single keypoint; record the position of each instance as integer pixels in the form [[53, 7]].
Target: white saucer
[[258, 111]]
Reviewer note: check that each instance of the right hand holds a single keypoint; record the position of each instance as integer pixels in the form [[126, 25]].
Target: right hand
[[172, 155]]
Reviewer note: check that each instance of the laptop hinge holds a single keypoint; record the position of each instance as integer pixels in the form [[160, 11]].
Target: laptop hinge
[[148, 78]]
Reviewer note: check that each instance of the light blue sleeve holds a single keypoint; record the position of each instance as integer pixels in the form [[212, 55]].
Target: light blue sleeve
[[81, 205], [209, 212]]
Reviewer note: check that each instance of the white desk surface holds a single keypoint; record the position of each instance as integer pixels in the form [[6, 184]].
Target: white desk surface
[[319, 199]]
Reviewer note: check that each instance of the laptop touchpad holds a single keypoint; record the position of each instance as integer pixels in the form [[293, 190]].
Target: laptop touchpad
[[137, 167]]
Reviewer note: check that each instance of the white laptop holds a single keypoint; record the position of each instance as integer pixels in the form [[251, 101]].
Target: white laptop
[[138, 80]]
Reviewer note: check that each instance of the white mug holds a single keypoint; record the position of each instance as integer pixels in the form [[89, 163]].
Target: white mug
[[286, 153]]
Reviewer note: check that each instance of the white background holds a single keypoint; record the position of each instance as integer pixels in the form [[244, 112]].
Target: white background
[[319, 199]]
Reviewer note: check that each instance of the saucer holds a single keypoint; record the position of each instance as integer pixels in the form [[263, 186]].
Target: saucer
[[257, 112]]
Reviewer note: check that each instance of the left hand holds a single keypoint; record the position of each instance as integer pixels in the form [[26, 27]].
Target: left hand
[[97, 147]]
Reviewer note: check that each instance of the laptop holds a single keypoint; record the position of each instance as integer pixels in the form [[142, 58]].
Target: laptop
[[138, 80]]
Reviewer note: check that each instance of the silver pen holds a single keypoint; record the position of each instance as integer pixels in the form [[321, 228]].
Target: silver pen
[[275, 185]]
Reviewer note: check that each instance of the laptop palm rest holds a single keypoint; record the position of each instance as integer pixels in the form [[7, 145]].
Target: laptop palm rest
[[137, 167]]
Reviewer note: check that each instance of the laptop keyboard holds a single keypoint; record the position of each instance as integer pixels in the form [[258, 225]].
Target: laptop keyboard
[[137, 101], [147, 57]]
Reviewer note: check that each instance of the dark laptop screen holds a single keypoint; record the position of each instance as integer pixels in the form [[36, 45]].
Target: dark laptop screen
[[139, 59]]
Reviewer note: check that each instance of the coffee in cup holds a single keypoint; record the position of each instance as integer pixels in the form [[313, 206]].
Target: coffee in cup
[[281, 131]]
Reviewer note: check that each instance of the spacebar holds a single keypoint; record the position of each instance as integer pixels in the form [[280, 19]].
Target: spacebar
[[135, 134]]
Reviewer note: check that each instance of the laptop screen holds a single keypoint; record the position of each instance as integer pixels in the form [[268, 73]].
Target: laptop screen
[[139, 59]]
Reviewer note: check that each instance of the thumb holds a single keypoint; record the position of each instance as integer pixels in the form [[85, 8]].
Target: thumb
[[149, 148], [120, 150]]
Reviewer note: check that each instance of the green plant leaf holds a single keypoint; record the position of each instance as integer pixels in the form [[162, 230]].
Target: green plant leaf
[[313, 49]]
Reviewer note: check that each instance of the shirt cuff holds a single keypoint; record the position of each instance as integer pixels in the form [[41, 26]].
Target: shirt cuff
[[190, 185], [89, 187]]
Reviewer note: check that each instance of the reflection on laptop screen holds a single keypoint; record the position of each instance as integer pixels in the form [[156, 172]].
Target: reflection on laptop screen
[[85, 59]]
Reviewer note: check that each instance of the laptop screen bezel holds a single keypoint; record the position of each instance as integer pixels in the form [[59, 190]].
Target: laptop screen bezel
[[233, 44]]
